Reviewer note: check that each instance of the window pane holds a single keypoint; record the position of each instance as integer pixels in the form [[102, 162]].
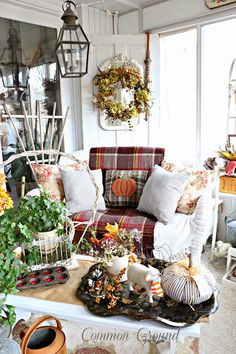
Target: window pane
[[178, 94], [218, 52], [34, 49]]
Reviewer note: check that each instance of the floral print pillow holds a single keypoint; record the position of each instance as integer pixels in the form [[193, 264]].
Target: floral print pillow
[[49, 177], [196, 185]]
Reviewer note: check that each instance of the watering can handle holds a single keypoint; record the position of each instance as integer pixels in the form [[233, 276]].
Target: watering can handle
[[34, 326]]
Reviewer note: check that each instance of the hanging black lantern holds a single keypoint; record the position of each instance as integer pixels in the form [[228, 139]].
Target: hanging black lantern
[[72, 49], [14, 73]]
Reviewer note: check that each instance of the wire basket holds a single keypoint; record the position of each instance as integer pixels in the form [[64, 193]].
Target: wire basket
[[56, 250]]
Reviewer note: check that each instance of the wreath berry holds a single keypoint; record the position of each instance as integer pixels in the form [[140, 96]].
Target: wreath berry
[[111, 80]]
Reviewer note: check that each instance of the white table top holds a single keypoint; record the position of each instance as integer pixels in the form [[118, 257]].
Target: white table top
[[79, 313]]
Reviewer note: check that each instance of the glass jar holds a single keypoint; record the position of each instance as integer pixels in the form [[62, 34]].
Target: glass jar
[[9, 346]]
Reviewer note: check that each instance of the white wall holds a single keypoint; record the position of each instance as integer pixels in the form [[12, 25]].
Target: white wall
[[95, 21], [166, 14], [131, 22]]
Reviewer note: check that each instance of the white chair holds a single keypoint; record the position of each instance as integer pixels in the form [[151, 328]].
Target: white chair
[[176, 238]]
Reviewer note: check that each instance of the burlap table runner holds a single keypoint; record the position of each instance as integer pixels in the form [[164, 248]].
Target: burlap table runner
[[66, 292], [61, 292]]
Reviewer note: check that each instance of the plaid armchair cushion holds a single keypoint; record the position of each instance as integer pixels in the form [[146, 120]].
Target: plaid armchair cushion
[[125, 158], [125, 218]]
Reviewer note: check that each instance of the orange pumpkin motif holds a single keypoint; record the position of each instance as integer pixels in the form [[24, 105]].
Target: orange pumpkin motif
[[124, 187]]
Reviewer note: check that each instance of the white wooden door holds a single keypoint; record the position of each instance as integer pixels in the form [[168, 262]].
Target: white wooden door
[[102, 48]]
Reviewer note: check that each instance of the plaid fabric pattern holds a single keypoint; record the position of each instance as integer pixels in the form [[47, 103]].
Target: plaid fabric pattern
[[125, 218], [112, 200], [125, 158]]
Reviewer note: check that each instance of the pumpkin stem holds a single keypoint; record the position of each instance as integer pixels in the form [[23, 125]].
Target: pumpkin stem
[[190, 261]]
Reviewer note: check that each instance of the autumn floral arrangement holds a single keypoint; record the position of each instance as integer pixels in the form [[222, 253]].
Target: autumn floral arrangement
[[116, 242], [5, 200], [111, 81], [107, 289]]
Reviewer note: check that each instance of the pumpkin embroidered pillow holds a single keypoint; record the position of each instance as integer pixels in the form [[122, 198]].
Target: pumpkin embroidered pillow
[[195, 187], [49, 177], [123, 188]]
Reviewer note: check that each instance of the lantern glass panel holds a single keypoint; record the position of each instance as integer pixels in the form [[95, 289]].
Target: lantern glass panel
[[14, 75], [72, 51]]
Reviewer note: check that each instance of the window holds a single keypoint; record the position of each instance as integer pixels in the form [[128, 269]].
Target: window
[[218, 52], [194, 92], [178, 93]]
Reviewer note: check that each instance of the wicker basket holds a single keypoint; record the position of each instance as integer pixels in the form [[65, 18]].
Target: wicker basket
[[228, 184]]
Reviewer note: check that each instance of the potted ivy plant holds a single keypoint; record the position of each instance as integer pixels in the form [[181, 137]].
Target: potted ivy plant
[[43, 217]]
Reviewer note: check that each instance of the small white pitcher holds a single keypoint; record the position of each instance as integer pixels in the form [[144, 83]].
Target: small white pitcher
[[118, 264]]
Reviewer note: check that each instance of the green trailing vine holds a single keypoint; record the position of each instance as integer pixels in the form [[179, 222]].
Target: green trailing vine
[[110, 81], [12, 234], [17, 226]]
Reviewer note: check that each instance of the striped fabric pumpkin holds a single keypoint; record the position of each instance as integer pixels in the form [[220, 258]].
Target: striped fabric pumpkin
[[179, 284]]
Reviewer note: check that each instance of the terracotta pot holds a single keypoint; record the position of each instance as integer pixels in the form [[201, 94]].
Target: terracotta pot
[[118, 264], [45, 339], [50, 240]]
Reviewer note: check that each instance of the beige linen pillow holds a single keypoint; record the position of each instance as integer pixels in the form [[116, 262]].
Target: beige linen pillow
[[80, 193], [161, 193]]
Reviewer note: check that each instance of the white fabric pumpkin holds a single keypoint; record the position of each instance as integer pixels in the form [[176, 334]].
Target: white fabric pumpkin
[[187, 285]]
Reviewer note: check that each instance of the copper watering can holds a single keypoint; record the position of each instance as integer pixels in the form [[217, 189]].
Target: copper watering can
[[45, 339]]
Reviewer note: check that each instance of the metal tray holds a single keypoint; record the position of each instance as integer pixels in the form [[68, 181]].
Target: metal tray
[[163, 309]]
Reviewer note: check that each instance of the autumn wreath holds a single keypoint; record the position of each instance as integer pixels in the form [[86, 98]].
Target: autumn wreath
[[115, 78]]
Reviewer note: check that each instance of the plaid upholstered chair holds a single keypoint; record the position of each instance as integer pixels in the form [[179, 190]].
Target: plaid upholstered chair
[[117, 159], [159, 240]]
